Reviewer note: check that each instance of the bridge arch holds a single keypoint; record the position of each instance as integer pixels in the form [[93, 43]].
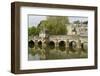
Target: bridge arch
[[52, 44], [84, 45], [72, 44], [62, 45], [31, 43], [40, 44]]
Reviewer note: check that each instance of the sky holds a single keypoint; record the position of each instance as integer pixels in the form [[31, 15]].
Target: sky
[[34, 20]]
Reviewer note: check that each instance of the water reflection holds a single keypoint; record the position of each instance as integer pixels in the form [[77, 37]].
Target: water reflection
[[50, 53]]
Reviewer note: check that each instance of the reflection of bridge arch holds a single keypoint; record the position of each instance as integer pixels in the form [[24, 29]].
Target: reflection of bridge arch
[[31, 44], [72, 44], [52, 44]]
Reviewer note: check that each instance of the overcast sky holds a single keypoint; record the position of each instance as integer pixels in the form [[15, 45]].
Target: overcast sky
[[35, 20]]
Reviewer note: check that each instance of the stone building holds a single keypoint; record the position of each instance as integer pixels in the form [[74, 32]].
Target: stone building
[[77, 29]]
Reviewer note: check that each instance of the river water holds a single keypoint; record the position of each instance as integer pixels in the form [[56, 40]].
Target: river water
[[52, 54]]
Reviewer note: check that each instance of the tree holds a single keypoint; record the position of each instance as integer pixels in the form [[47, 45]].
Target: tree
[[33, 31], [56, 25]]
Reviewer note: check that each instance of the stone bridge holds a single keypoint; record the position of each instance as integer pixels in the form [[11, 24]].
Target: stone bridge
[[65, 40]]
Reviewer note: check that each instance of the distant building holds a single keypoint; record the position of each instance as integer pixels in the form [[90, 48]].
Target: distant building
[[77, 29]]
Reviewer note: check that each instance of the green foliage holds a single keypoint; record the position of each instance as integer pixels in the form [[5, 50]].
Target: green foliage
[[33, 31], [56, 25]]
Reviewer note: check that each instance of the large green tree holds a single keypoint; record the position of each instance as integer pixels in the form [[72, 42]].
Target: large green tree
[[56, 25]]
